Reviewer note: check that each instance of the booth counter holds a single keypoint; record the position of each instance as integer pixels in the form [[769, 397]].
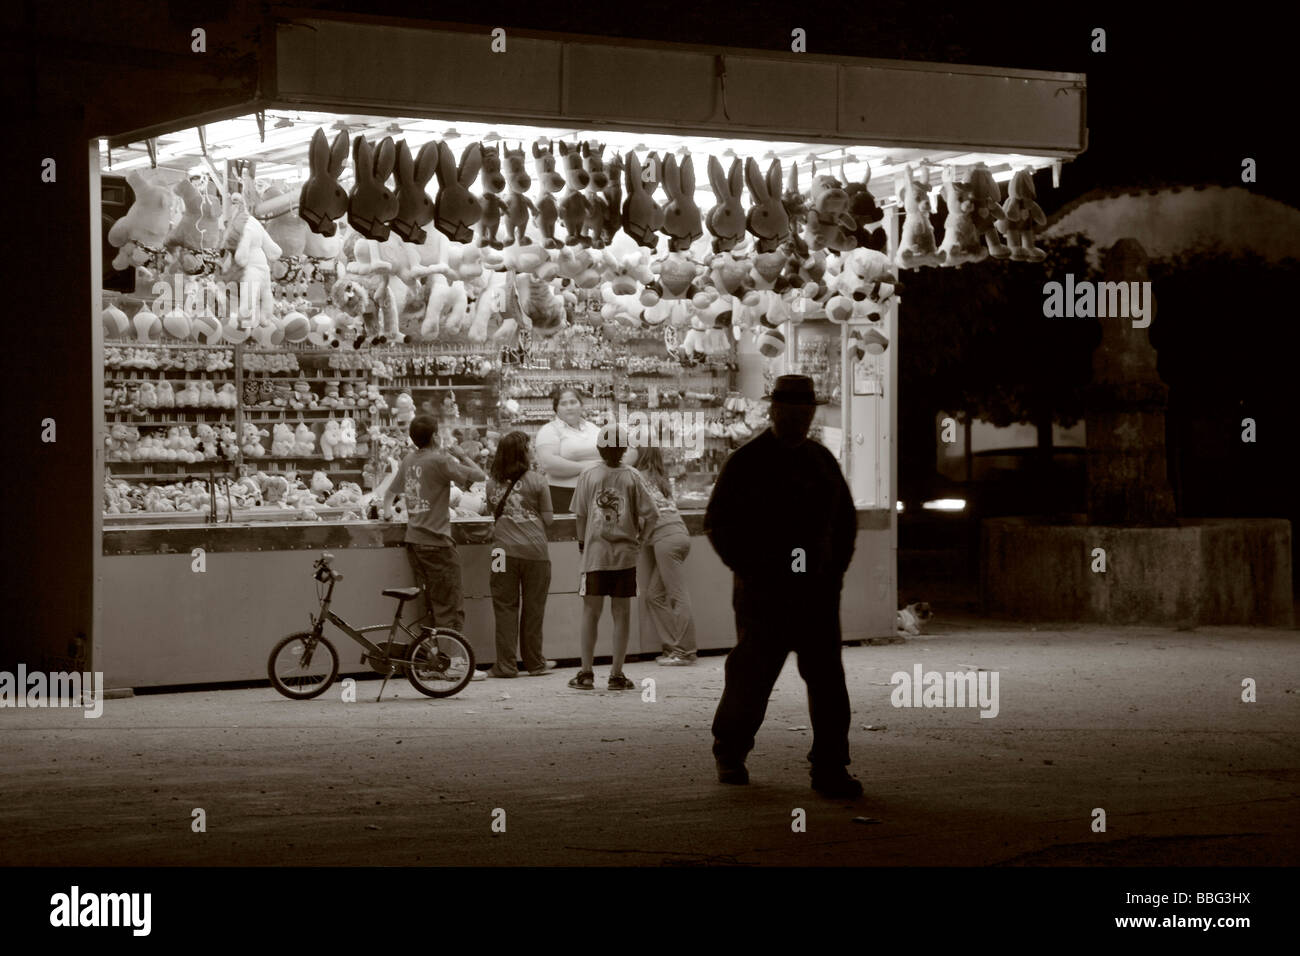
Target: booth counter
[[205, 603]]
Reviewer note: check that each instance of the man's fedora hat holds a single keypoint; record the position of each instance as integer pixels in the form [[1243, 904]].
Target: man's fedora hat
[[795, 390]]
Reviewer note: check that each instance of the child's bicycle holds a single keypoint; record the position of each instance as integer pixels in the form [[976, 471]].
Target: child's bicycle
[[438, 661]]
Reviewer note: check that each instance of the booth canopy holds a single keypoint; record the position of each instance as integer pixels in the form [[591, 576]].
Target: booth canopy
[[420, 83]]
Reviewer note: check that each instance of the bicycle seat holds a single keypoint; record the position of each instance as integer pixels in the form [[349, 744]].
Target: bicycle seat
[[402, 594]]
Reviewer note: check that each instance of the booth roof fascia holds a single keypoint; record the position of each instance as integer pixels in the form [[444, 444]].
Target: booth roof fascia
[[270, 96], [288, 13]]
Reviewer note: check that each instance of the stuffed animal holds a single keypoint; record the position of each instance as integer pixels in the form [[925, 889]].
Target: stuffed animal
[[726, 220], [549, 181], [166, 395], [961, 243], [623, 309], [321, 486], [148, 396], [349, 397], [443, 299], [578, 268], [185, 242], [140, 234], [829, 224], [518, 206], [371, 204], [289, 232], [456, 209], [331, 437], [303, 397], [916, 246], [676, 278], [414, 207], [252, 446], [628, 273], [304, 441], [228, 442], [248, 252], [208, 395], [862, 286], [403, 409], [492, 204], [642, 217], [365, 292], [322, 200], [331, 397], [282, 442], [1024, 216], [374, 400], [612, 200], [543, 311], [593, 164], [869, 218], [767, 219], [574, 207], [227, 397], [348, 443], [987, 213], [682, 220]]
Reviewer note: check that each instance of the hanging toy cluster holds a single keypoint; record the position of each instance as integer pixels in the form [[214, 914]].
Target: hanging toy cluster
[[359, 267]]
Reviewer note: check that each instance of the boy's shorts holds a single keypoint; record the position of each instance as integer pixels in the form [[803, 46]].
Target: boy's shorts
[[621, 583]]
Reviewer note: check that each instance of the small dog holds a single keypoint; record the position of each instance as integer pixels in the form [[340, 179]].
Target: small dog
[[913, 617]]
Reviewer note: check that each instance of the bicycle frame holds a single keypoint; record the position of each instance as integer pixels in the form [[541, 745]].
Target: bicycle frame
[[318, 625]]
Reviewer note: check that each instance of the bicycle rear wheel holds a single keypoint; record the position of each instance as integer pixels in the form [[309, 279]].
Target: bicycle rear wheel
[[303, 666], [441, 663]]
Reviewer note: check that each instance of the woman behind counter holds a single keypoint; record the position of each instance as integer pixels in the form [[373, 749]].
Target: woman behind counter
[[566, 447]]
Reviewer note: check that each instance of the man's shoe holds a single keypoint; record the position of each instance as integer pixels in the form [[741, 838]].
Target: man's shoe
[[620, 682], [585, 680], [837, 785], [732, 773], [479, 675], [677, 660]]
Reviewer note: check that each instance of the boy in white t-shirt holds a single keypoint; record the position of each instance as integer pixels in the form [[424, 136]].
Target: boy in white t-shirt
[[614, 511]]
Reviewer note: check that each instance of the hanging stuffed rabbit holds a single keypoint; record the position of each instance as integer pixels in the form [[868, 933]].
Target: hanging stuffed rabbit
[[1024, 216], [916, 246]]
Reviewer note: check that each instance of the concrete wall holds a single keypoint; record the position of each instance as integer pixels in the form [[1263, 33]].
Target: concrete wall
[[1206, 571], [166, 624]]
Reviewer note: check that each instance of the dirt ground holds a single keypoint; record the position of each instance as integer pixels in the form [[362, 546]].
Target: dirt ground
[[1146, 724]]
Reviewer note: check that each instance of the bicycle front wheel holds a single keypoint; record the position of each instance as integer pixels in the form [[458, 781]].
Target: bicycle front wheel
[[441, 663], [303, 666]]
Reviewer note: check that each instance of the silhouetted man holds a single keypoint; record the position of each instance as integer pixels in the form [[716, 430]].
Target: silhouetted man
[[782, 518]]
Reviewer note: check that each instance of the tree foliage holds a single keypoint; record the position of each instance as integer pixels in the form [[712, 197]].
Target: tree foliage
[[976, 339]]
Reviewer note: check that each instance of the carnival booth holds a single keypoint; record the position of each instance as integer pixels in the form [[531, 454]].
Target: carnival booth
[[471, 224]]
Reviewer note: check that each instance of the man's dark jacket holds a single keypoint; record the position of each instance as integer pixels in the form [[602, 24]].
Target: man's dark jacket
[[771, 499]]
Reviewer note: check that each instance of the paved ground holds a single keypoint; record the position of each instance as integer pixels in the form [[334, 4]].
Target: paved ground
[[1147, 724]]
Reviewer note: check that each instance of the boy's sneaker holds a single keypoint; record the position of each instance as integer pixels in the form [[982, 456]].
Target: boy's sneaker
[[586, 680], [620, 682], [837, 784], [479, 675]]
